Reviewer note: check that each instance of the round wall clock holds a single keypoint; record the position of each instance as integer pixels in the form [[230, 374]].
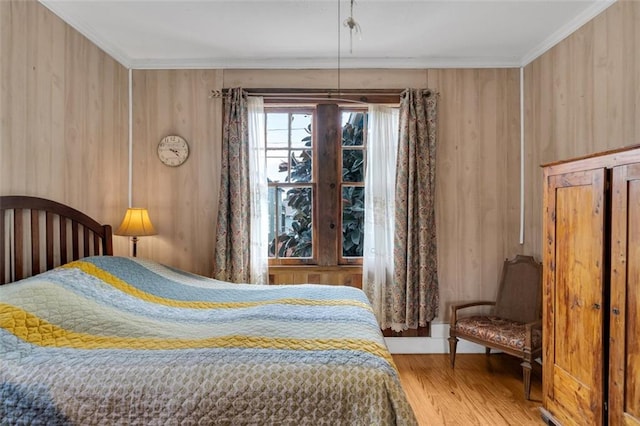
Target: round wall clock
[[173, 150]]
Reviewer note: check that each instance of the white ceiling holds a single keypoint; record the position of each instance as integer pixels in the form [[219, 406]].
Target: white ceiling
[[304, 33]]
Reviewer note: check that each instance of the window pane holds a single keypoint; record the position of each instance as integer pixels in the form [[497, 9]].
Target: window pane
[[277, 130], [277, 166], [353, 128], [301, 166], [300, 130], [294, 224], [352, 165], [352, 221]]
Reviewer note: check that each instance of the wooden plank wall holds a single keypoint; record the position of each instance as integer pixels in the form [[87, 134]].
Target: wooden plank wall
[[63, 114], [182, 201], [350, 275], [477, 180], [582, 97]]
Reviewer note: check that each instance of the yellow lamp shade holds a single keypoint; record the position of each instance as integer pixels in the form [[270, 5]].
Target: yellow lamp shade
[[136, 223]]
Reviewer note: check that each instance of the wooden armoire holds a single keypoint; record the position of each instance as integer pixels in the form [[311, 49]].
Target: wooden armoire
[[591, 290]]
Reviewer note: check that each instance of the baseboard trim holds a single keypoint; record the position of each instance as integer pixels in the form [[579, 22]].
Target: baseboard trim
[[437, 343]]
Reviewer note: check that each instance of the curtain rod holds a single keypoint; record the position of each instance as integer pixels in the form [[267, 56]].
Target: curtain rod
[[216, 93], [360, 96]]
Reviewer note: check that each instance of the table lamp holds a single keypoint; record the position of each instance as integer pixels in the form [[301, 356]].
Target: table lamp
[[136, 223]]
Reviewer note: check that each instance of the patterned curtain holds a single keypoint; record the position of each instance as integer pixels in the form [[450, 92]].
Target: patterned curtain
[[415, 293], [231, 262]]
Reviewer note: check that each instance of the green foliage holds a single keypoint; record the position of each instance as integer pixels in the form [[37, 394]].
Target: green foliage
[[352, 221], [296, 242], [353, 131], [353, 197]]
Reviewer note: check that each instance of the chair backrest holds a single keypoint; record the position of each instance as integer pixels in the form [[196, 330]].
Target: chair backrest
[[520, 292]]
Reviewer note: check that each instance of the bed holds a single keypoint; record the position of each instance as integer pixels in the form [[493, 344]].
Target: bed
[[102, 339]]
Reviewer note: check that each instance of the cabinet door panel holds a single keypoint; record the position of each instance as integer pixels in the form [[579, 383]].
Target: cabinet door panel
[[573, 293], [571, 397], [578, 301], [624, 352]]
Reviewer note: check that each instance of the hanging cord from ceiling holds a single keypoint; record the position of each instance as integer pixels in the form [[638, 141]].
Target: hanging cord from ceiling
[[338, 68], [364, 97], [353, 26]]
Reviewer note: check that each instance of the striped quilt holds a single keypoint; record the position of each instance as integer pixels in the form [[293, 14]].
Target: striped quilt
[[112, 340]]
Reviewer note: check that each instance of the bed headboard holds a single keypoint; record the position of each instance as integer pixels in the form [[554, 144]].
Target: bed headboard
[[38, 234]]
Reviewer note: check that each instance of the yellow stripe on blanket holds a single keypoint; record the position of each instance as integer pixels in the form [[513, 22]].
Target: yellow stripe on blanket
[[37, 331], [125, 287]]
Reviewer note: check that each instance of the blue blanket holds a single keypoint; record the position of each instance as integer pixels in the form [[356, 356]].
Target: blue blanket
[[111, 340]]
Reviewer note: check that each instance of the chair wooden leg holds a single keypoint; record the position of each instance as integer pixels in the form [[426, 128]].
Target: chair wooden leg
[[487, 350], [526, 378], [453, 344]]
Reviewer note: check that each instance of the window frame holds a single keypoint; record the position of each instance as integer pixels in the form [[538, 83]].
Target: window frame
[[326, 182], [297, 109]]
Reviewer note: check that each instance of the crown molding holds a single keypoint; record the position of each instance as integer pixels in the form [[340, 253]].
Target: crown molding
[[327, 63], [571, 27], [105, 45]]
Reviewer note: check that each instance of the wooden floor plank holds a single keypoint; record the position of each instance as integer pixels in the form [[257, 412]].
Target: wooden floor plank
[[480, 390]]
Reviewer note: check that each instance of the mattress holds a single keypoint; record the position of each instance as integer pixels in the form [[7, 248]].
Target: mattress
[[114, 340]]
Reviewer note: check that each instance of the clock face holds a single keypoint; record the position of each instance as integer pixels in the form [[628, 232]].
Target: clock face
[[173, 150]]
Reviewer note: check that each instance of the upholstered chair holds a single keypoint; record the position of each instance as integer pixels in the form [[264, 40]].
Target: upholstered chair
[[514, 325]]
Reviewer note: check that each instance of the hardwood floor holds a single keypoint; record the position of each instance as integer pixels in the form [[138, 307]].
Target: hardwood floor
[[481, 390]]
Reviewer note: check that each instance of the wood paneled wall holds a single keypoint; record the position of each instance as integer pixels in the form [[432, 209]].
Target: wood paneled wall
[[182, 201], [350, 275], [63, 114], [477, 180], [323, 79], [582, 97]]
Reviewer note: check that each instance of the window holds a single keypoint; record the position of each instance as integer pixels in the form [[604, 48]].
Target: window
[[315, 158]]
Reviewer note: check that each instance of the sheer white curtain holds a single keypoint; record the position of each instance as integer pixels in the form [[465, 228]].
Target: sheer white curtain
[[259, 192], [380, 210]]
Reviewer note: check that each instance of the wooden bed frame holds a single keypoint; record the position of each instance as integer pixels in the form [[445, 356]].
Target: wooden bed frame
[[28, 248]]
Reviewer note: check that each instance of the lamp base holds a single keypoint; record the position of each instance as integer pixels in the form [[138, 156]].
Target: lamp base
[[135, 246]]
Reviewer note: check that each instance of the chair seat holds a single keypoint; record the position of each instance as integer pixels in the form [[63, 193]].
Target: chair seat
[[498, 330]]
